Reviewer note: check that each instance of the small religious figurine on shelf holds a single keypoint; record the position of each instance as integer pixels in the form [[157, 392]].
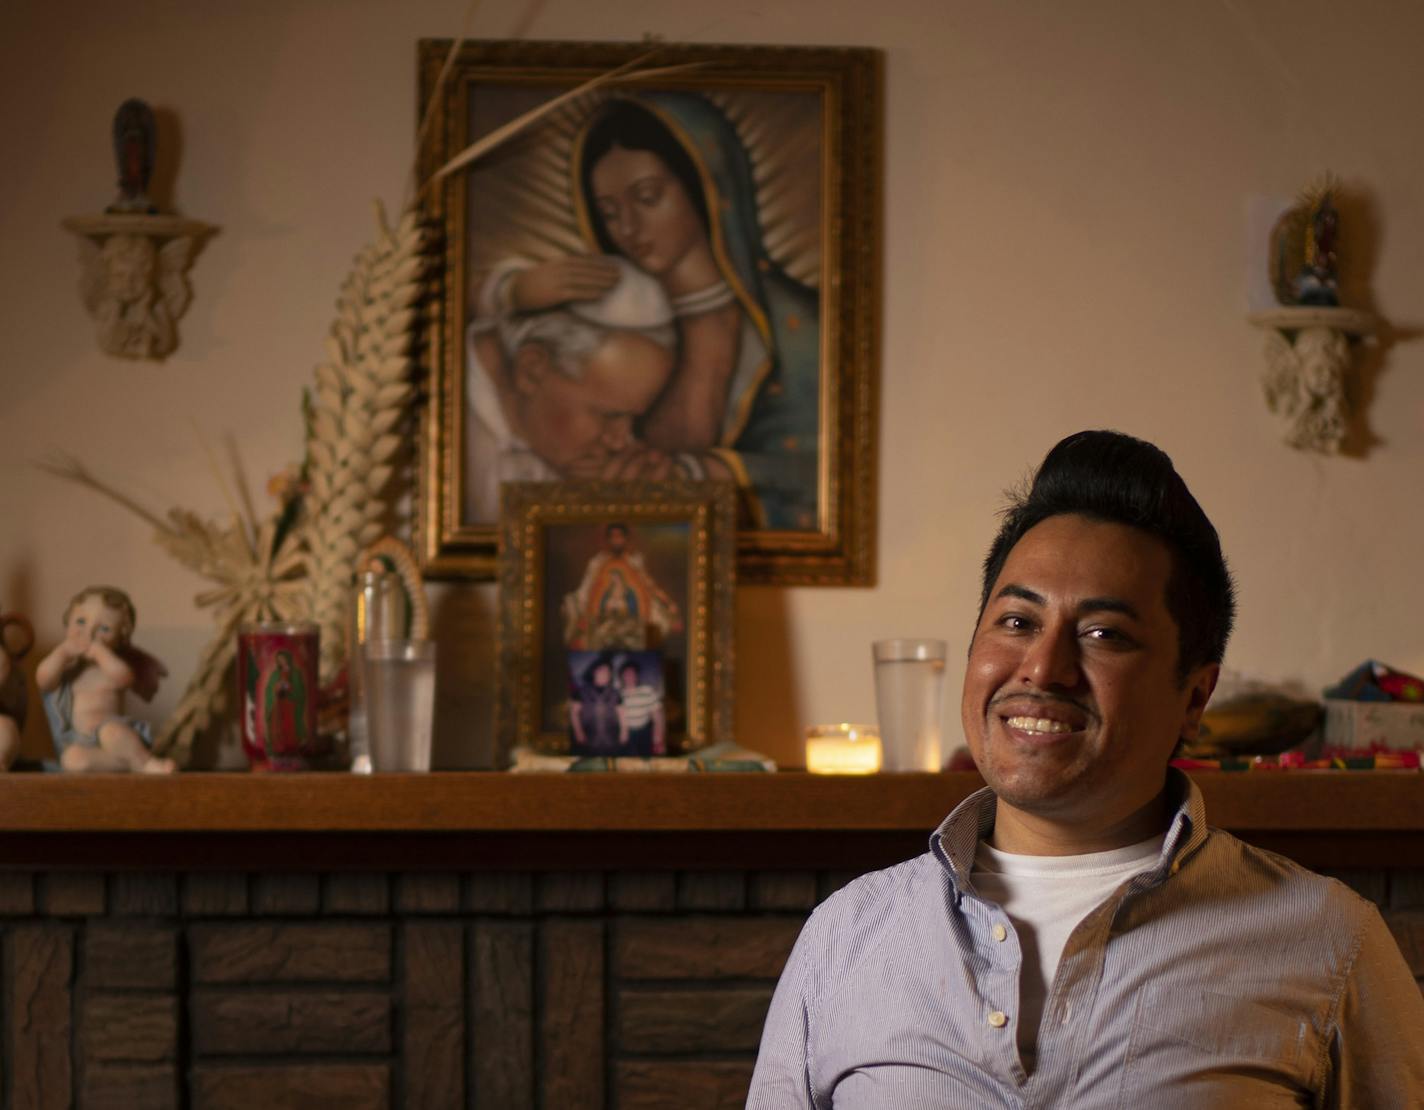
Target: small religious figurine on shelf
[[83, 682], [1308, 345], [1317, 282], [1304, 242], [16, 639], [135, 146]]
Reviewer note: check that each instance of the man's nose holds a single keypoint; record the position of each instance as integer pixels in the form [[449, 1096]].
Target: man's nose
[[1051, 659]]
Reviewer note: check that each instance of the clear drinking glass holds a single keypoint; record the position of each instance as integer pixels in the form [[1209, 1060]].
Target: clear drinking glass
[[400, 703], [379, 611], [909, 699]]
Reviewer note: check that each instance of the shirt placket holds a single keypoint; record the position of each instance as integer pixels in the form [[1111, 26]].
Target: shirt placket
[[1069, 1005], [1000, 958]]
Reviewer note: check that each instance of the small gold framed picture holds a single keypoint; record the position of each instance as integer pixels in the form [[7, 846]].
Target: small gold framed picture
[[616, 617]]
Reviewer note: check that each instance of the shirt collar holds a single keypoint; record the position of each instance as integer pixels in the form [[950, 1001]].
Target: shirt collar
[[957, 837]]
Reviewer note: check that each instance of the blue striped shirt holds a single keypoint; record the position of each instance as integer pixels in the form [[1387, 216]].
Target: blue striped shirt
[[1221, 976]]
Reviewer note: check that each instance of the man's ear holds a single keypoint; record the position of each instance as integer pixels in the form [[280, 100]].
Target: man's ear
[[1200, 684], [531, 365]]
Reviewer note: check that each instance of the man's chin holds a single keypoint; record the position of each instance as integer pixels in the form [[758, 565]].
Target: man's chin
[[1033, 789]]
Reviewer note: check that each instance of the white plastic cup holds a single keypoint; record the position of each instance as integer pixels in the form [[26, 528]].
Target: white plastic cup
[[400, 703], [909, 699]]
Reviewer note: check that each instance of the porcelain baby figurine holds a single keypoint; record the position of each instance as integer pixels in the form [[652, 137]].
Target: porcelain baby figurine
[[83, 682], [16, 638]]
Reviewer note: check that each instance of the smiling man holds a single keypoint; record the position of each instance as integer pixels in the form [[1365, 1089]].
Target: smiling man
[[1077, 935]]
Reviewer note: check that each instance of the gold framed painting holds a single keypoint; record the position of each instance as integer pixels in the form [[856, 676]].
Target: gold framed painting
[[673, 275], [615, 617]]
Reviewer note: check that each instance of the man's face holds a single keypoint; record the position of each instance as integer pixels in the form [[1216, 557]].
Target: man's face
[[575, 426], [617, 540], [1072, 705]]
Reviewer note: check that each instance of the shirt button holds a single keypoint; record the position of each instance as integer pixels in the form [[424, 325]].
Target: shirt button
[[998, 1019], [998, 932]]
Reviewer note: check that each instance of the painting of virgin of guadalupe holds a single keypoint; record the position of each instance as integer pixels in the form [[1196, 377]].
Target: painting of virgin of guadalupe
[[644, 283]]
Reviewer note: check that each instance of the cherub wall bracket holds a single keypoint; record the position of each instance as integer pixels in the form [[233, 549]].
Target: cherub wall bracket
[[1308, 361], [135, 261]]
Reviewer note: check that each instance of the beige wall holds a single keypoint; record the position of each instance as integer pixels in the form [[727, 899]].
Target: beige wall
[[1066, 187]]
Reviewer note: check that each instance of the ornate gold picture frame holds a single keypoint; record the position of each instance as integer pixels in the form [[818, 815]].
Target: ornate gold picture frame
[[606, 571], [721, 222]]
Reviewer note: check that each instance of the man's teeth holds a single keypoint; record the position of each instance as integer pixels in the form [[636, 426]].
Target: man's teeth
[[1038, 724]]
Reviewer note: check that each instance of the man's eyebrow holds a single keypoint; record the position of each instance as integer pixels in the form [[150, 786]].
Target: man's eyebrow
[[1023, 593], [1109, 605], [1087, 605]]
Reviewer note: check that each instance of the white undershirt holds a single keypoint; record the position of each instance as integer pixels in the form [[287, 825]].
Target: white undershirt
[[1045, 897]]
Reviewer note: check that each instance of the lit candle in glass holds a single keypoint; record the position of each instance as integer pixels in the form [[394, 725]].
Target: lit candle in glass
[[843, 749]]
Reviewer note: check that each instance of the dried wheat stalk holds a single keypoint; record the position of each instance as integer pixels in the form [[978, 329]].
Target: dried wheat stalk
[[360, 397]]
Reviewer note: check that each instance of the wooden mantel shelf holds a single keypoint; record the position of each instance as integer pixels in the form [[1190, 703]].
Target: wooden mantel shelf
[[1323, 818], [488, 802], [455, 802]]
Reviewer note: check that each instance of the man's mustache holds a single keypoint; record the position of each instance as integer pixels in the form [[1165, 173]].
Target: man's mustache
[[1043, 699]]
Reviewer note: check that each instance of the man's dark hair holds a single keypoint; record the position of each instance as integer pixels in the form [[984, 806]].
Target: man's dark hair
[[1113, 477]]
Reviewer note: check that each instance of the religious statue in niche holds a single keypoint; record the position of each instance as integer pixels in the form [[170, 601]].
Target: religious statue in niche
[[1307, 347], [135, 261], [83, 682]]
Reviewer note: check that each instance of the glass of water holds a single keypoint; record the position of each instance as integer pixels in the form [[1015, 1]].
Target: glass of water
[[400, 703], [909, 699]]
